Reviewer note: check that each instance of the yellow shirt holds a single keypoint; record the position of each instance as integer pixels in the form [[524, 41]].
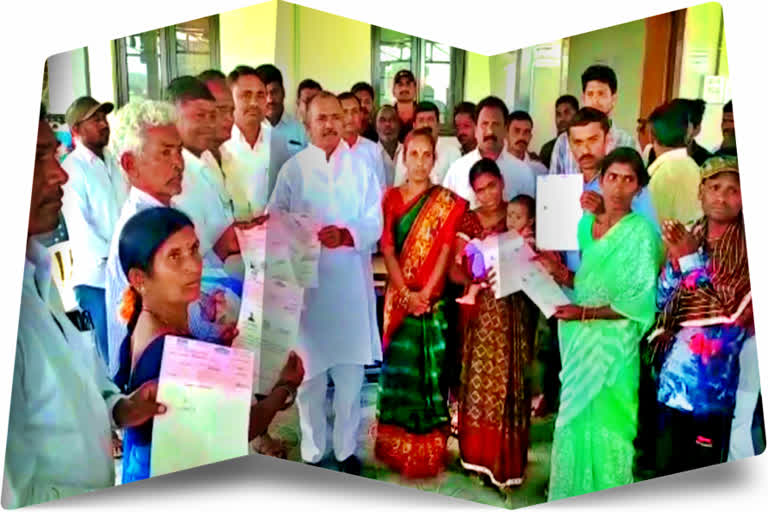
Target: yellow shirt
[[674, 186]]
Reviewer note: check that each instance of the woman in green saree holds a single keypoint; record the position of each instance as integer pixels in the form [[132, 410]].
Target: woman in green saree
[[419, 226], [614, 306]]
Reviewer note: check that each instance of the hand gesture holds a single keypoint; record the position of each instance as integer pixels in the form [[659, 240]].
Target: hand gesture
[[592, 202], [330, 237], [418, 304], [679, 241], [227, 243], [569, 312], [139, 407], [292, 373], [212, 304]]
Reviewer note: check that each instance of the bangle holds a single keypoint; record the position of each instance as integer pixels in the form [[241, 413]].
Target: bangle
[[583, 313], [291, 395]]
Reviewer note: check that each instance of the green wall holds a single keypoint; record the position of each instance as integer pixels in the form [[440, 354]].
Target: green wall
[[622, 47]]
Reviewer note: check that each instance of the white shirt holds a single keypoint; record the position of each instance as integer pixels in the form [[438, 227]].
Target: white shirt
[[204, 198], [519, 178], [538, 168], [59, 433], [288, 138], [117, 282], [447, 153], [246, 169], [368, 150], [389, 163], [93, 197], [338, 324]]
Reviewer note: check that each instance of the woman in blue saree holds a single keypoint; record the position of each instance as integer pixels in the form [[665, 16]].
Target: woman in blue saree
[[159, 253]]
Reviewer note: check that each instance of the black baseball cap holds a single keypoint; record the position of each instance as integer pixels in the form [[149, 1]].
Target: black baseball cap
[[404, 73]]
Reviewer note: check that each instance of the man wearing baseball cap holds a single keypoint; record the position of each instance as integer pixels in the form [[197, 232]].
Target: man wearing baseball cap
[[706, 321], [404, 91], [93, 197]]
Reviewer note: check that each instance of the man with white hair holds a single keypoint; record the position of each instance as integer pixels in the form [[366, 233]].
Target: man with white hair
[[338, 332], [148, 146]]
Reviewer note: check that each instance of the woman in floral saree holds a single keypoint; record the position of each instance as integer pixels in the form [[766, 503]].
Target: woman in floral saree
[[496, 352], [419, 227], [614, 306]]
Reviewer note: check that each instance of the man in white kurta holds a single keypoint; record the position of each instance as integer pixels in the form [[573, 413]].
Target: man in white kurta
[[62, 404], [93, 196], [447, 150], [362, 148], [490, 132], [338, 330]]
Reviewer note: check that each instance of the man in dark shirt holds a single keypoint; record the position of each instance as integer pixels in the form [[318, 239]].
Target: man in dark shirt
[[566, 107], [404, 90]]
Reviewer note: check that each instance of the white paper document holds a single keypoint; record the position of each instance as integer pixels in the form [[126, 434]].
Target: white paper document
[[207, 390], [539, 286], [281, 259], [558, 212]]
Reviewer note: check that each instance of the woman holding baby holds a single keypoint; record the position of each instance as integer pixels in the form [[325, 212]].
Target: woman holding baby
[[494, 398]]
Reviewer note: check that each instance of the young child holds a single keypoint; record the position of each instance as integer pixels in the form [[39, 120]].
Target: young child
[[521, 218]]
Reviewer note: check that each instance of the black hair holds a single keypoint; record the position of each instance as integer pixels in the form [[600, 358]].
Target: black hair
[[728, 107], [242, 70], [363, 86], [484, 166], [209, 75], [528, 202], [348, 96], [600, 73], [187, 88], [587, 115], [307, 83], [630, 157], [491, 102], [520, 115], [669, 124], [567, 98], [427, 106], [465, 107], [139, 241], [269, 74], [43, 113]]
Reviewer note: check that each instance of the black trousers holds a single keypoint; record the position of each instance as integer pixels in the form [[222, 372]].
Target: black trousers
[[686, 441]]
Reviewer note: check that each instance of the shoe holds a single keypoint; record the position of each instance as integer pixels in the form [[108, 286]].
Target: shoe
[[351, 465]]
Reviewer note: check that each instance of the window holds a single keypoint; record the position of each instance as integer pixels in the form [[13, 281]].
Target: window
[[439, 70], [147, 62]]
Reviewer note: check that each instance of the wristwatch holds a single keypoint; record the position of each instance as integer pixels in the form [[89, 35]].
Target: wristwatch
[[291, 394]]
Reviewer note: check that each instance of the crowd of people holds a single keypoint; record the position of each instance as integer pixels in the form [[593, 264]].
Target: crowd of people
[[659, 288]]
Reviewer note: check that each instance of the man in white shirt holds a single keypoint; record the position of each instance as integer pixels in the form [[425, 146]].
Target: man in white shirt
[[216, 82], [446, 153], [93, 196], [364, 148], [246, 156], [464, 125], [388, 129], [599, 91], [63, 407], [204, 196], [288, 134], [147, 143], [490, 120], [519, 135], [338, 328]]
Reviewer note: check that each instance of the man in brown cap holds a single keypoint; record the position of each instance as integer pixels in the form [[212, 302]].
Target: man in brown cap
[[404, 91], [93, 197]]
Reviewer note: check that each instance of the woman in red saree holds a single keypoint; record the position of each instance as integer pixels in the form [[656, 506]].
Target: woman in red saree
[[419, 227], [494, 398]]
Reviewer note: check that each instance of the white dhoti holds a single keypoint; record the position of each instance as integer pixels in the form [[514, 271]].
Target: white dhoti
[[313, 415], [741, 444]]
